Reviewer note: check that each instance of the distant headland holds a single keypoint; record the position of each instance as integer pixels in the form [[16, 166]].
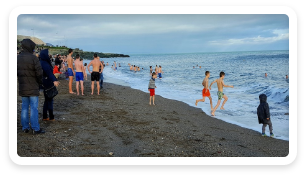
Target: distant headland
[[63, 50]]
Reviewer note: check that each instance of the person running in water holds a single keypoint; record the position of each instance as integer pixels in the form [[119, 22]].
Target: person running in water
[[205, 91], [220, 84]]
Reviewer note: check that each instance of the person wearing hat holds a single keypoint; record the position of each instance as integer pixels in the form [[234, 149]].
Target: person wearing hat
[[30, 77]]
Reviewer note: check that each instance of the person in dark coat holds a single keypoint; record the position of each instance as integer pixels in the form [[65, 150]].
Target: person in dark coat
[[30, 75], [58, 61], [263, 113], [49, 81]]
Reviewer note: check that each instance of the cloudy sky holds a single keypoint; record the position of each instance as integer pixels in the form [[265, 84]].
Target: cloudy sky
[[159, 33]]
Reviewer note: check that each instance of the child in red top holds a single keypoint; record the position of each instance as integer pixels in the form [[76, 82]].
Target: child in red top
[[56, 72]]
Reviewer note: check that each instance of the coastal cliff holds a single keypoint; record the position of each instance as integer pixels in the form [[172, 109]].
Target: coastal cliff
[[63, 50]]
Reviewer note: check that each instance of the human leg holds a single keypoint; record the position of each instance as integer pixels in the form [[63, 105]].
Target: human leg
[[70, 84], [216, 107], [45, 108], [34, 113], [82, 87], [270, 127], [200, 100], [150, 100], [211, 104], [225, 99], [50, 108], [25, 113], [92, 87], [263, 129], [98, 87], [101, 80], [77, 87], [153, 99]]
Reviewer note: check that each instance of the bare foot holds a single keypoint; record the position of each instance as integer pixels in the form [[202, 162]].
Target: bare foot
[[222, 108], [150, 103], [71, 92], [82, 94], [153, 104], [196, 103], [212, 114], [91, 93], [98, 93]]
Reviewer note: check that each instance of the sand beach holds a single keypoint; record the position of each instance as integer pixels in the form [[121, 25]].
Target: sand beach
[[121, 121]]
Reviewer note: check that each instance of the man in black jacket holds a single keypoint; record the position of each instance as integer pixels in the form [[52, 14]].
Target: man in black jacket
[[30, 77], [263, 113]]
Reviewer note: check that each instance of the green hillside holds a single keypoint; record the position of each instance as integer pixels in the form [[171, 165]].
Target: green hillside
[[83, 54]]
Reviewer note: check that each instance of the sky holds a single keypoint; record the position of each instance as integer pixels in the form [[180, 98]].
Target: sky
[[159, 33]]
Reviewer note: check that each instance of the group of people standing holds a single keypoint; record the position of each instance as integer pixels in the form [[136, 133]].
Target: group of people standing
[[36, 74], [158, 71], [134, 67]]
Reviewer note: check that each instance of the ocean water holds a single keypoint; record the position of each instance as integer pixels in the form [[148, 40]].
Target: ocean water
[[244, 70]]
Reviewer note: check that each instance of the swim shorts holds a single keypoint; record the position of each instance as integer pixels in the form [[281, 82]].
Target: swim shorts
[[79, 76], [205, 94], [95, 76], [220, 95], [152, 92], [116, 68], [159, 75], [70, 72]]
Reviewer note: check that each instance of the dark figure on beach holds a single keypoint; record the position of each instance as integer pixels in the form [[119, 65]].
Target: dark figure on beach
[[49, 81], [57, 61], [266, 75], [287, 77], [30, 77], [263, 113], [101, 76]]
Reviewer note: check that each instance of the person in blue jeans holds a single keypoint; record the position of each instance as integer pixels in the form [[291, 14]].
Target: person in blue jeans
[[30, 77]]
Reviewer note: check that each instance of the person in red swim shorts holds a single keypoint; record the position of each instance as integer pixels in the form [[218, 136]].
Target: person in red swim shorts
[[152, 87], [205, 91]]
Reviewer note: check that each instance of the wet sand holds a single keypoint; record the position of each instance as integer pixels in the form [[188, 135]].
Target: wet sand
[[120, 120]]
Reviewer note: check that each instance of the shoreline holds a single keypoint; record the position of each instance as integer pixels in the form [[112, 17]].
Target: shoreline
[[123, 83], [121, 121]]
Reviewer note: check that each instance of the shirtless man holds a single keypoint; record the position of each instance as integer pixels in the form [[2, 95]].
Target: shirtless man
[[220, 93], [80, 73], [70, 70], [151, 70], [131, 67], [156, 69], [115, 65], [135, 68], [159, 72], [205, 91], [95, 74]]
